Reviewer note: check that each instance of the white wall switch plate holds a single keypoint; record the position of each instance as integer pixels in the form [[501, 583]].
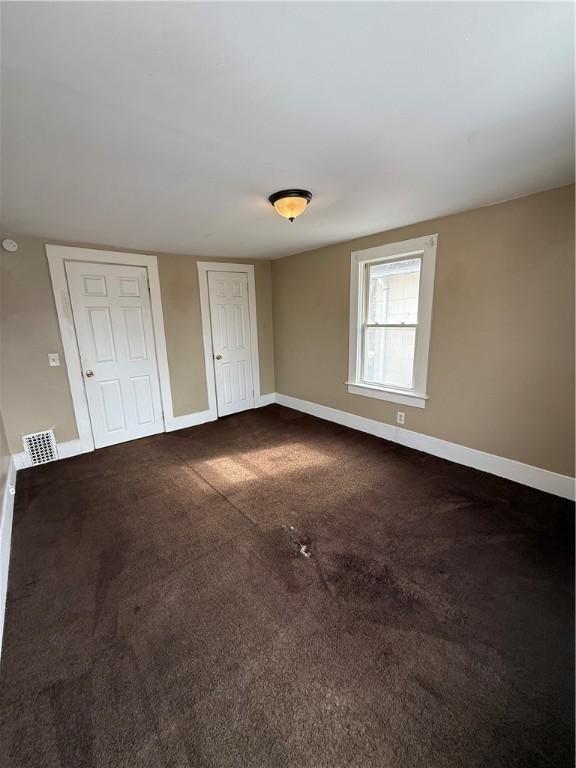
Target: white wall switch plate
[[53, 359], [400, 417]]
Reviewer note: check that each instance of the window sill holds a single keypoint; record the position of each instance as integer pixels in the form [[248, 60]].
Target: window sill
[[402, 396]]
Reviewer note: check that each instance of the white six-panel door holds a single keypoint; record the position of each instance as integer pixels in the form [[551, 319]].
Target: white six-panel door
[[113, 321], [230, 321]]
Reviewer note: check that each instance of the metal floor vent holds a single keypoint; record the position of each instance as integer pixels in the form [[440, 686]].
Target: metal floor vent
[[40, 447]]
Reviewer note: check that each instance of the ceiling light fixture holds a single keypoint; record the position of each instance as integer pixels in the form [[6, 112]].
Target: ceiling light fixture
[[290, 202]]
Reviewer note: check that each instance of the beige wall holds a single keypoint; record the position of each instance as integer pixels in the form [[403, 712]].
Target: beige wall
[[181, 309], [34, 396], [501, 372], [4, 457], [4, 451]]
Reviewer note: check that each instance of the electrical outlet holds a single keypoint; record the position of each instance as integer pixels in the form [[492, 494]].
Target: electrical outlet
[[53, 359], [400, 416]]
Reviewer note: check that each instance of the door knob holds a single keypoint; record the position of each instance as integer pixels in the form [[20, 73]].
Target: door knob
[[89, 373], [218, 357]]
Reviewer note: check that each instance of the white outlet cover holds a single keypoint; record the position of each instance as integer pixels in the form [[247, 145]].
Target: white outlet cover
[[400, 417], [53, 359]]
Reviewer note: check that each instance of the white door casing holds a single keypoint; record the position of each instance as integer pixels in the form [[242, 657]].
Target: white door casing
[[204, 268], [231, 341], [113, 320], [57, 256]]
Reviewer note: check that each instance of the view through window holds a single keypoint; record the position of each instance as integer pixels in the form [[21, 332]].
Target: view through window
[[391, 322]]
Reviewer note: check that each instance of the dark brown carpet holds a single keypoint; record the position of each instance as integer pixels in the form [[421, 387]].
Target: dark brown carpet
[[161, 611]]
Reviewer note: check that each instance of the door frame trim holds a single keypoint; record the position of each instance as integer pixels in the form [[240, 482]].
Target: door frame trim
[[57, 255], [218, 266]]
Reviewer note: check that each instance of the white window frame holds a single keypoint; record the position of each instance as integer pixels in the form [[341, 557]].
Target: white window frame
[[425, 248]]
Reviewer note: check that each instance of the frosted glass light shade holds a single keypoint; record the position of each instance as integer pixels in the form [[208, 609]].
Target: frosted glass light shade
[[290, 203], [290, 207]]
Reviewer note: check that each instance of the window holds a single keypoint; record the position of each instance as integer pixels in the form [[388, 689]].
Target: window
[[390, 323], [390, 314]]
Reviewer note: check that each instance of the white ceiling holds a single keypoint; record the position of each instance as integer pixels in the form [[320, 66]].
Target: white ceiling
[[165, 126]]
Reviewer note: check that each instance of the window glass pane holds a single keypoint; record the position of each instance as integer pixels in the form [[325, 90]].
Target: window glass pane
[[393, 291], [389, 356]]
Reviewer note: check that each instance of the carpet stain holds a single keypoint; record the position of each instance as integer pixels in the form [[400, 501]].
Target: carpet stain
[[356, 579], [288, 548], [298, 542]]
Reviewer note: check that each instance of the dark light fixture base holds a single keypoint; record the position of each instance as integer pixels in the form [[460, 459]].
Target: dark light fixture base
[[290, 193]]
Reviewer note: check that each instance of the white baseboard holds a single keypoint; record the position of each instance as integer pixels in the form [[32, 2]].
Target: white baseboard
[[6, 514], [201, 417], [65, 451], [20, 460], [267, 399], [74, 447], [189, 420], [69, 448], [535, 477]]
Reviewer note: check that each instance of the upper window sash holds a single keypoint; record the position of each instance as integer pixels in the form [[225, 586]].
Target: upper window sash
[[368, 266]]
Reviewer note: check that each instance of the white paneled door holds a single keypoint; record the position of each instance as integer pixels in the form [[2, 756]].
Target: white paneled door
[[230, 321], [113, 320]]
